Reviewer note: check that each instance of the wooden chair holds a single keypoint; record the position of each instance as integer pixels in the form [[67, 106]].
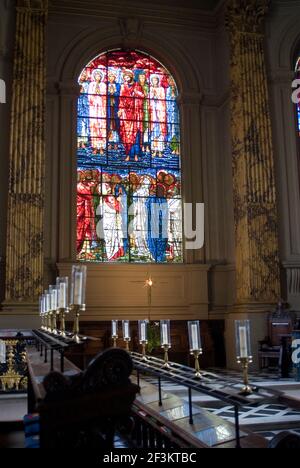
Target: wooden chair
[[271, 348]]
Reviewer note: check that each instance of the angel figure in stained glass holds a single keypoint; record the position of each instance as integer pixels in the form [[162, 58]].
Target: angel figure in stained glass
[[87, 187], [158, 116], [110, 210], [98, 111], [142, 80], [83, 127], [113, 95], [172, 116], [140, 221]]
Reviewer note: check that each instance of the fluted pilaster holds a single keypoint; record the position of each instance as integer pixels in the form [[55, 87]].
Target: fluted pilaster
[[24, 261], [257, 262]]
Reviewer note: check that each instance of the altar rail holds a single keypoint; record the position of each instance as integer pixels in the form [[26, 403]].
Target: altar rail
[[212, 385], [13, 367]]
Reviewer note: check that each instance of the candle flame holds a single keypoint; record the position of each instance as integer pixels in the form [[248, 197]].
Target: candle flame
[[149, 283]]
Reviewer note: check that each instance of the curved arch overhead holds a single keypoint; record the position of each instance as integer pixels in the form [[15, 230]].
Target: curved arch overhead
[[129, 206]]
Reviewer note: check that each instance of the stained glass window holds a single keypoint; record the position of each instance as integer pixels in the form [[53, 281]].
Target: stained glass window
[[129, 206], [298, 105]]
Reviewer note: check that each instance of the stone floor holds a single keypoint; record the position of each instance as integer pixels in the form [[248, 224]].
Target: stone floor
[[12, 407], [266, 420]]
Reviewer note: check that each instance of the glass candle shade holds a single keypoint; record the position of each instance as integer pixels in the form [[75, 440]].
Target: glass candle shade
[[41, 302], [47, 301], [114, 328], [194, 336], [143, 331], [53, 292], [165, 333], [243, 340], [126, 330], [62, 285], [78, 287]]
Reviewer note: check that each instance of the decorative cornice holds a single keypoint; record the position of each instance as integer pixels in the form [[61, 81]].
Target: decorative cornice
[[246, 16]]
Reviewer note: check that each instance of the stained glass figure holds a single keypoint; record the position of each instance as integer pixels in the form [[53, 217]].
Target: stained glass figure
[[129, 206], [298, 105]]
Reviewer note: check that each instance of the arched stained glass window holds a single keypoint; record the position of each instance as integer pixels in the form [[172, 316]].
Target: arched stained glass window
[[298, 105], [129, 205]]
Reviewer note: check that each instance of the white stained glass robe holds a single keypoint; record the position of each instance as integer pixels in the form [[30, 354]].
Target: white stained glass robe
[[98, 113], [140, 222], [112, 225], [175, 224]]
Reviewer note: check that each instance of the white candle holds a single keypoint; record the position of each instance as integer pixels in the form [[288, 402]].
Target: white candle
[[114, 328], [143, 332], [126, 331], [78, 288], [62, 296], [243, 342], [48, 302], [165, 334], [195, 342], [54, 299], [2, 352]]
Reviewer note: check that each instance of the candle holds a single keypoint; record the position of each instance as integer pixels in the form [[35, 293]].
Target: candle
[[114, 328], [54, 299], [243, 342], [62, 296], [143, 332], [78, 279], [195, 342], [48, 302], [41, 305], [126, 331], [165, 334]]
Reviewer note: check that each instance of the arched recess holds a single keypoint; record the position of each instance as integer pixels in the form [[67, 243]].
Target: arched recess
[[181, 290]]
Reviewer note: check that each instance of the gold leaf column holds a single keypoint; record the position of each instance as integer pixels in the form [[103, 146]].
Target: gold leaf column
[[24, 260], [257, 260]]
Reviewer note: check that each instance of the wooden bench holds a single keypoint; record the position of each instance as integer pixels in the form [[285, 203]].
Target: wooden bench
[[80, 409]]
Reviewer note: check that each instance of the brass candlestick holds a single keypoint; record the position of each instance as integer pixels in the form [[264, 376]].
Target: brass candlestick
[[166, 357], [62, 314], [54, 323], [247, 389], [197, 364], [144, 343], [50, 322], [115, 339], [47, 327], [127, 340], [77, 309]]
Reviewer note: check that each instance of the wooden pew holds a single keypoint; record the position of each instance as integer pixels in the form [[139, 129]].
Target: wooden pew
[[81, 409]]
